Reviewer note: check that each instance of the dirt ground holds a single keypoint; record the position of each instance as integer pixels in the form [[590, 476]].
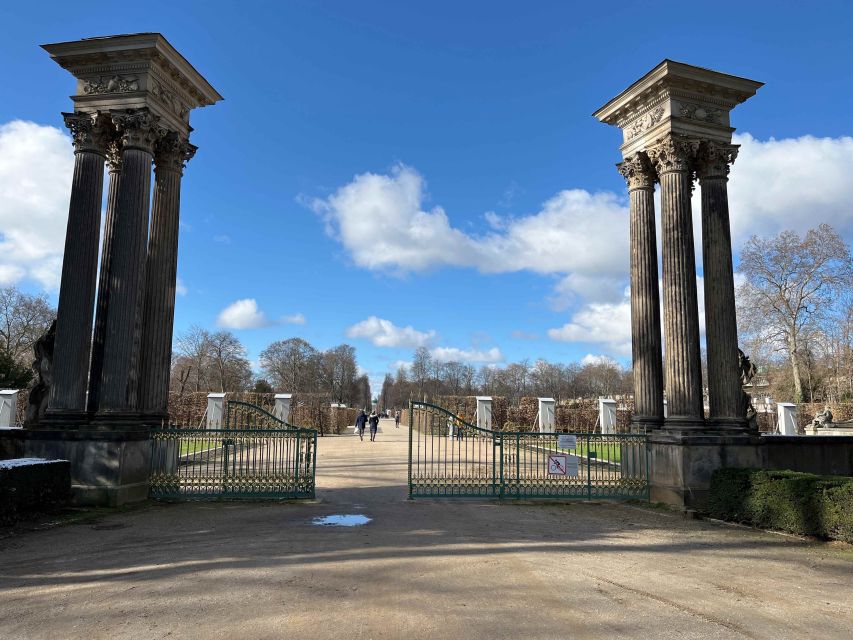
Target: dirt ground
[[419, 569]]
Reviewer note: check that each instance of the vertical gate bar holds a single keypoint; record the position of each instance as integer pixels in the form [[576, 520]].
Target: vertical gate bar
[[588, 467], [411, 425], [296, 472], [518, 466]]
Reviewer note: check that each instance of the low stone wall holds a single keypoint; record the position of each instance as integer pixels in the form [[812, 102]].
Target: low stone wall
[[821, 455], [28, 485]]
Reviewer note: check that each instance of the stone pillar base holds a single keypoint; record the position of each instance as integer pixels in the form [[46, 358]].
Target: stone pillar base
[[644, 424], [730, 426], [63, 419], [681, 465], [108, 468]]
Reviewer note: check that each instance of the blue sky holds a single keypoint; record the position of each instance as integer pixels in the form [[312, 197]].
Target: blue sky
[[392, 174]]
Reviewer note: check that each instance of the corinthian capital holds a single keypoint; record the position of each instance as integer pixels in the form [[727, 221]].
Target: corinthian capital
[[172, 152], [714, 159], [138, 128], [87, 132], [673, 153], [637, 171]]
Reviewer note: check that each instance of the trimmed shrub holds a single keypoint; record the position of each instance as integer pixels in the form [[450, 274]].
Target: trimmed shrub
[[801, 503]]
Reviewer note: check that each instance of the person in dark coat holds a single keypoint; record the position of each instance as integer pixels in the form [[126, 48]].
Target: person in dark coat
[[360, 421], [373, 421]]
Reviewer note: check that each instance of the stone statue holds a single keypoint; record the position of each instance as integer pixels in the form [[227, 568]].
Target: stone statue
[[747, 373], [824, 418], [43, 366]]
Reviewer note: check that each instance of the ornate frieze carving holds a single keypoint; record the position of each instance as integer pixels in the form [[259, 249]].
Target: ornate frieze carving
[[87, 132], [112, 84], [637, 171], [673, 153], [138, 128], [714, 159], [172, 152], [644, 123], [170, 99], [701, 113]]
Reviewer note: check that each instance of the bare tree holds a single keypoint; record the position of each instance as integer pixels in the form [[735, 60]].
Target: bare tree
[[792, 285], [291, 365], [24, 319]]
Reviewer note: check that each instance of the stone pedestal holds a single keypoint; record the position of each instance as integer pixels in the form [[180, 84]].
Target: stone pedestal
[[281, 409], [484, 412], [607, 415], [8, 407], [108, 467], [547, 421], [215, 411]]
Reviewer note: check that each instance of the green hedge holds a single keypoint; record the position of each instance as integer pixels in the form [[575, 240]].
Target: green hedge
[[800, 503]]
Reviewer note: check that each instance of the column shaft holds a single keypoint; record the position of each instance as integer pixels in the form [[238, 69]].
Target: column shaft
[[102, 303], [673, 160], [645, 296], [126, 278], [79, 272], [160, 281], [724, 385]]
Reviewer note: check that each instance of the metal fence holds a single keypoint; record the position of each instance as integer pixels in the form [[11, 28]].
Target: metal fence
[[449, 457], [255, 456]]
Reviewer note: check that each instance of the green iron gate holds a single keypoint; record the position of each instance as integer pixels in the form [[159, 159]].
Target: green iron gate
[[255, 455], [449, 457]]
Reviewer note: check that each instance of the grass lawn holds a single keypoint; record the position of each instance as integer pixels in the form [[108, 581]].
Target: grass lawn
[[194, 445]]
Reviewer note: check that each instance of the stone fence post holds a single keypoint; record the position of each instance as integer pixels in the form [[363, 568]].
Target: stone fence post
[[546, 415], [8, 405], [787, 424], [607, 415], [215, 410], [484, 412], [281, 410]]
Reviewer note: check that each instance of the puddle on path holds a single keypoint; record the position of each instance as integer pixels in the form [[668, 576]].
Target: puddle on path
[[341, 520]]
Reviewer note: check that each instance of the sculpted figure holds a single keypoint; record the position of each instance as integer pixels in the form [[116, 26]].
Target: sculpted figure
[[824, 418], [747, 373], [43, 366]]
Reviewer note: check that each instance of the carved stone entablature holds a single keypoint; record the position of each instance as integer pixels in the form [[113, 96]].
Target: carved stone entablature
[[644, 123], [138, 128], [170, 99], [172, 152], [638, 172], [673, 153], [88, 132], [111, 84], [702, 113], [714, 160]]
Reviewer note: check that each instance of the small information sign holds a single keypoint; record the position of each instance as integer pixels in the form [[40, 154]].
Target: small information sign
[[565, 441], [562, 464]]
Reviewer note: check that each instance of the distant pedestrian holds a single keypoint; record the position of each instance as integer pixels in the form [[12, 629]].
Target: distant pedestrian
[[360, 421], [373, 421], [397, 418]]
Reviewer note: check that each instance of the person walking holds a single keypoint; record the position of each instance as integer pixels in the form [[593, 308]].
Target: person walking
[[373, 421], [360, 421], [397, 418]]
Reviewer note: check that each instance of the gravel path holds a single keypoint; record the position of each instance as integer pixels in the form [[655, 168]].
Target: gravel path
[[431, 569]]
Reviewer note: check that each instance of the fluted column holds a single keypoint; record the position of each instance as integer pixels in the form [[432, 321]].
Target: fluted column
[[672, 158], [161, 274], [118, 394], [724, 384], [645, 297], [114, 152], [79, 270]]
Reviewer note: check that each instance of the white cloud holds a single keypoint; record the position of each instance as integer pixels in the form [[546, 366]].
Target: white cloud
[[381, 220], [596, 360], [296, 318], [180, 287], [222, 238], [397, 364], [452, 354], [36, 168], [603, 323], [242, 314], [384, 333]]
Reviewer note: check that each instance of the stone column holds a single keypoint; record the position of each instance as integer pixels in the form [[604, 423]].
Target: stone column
[[645, 296], [724, 383], [161, 275], [118, 394], [79, 271], [102, 304], [672, 157]]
